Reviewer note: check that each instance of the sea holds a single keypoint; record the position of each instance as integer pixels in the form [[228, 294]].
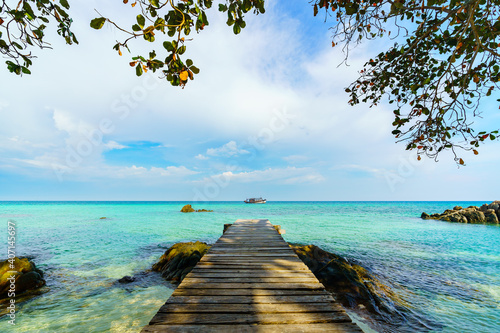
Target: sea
[[448, 274]]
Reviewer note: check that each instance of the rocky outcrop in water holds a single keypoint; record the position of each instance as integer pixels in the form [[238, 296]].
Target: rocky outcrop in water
[[189, 209], [487, 213], [180, 259], [21, 273], [351, 284]]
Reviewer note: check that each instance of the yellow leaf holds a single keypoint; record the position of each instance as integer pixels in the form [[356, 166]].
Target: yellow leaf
[[135, 3], [183, 75], [419, 158], [120, 53], [476, 79], [475, 152], [125, 1], [461, 161]]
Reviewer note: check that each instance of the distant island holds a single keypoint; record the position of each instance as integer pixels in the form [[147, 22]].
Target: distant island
[[487, 213]]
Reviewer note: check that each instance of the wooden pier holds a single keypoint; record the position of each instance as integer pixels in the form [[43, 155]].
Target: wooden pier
[[251, 281]]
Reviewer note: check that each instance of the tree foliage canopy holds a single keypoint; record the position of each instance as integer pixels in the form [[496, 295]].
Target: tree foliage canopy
[[444, 60], [22, 29]]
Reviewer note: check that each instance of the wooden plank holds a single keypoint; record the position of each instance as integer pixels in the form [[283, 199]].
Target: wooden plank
[[281, 280], [250, 308], [242, 328], [285, 254], [249, 260], [244, 299], [221, 285], [249, 265], [270, 246], [252, 292], [251, 274], [244, 318]]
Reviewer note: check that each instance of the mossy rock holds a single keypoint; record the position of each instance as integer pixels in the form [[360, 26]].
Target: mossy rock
[[27, 276], [352, 285], [187, 209], [179, 259]]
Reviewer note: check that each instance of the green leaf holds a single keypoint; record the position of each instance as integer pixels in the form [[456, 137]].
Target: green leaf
[[25, 70], [181, 49], [64, 3], [136, 27], [492, 137], [189, 62], [97, 23], [236, 28], [154, 3], [168, 46], [141, 20], [138, 70], [222, 8], [194, 69]]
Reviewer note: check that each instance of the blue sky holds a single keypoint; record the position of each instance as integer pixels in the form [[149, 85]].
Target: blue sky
[[267, 116]]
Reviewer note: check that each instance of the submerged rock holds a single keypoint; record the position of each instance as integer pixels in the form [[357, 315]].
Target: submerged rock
[[180, 259], [189, 209], [24, 275], [127, 279], [487, 213]]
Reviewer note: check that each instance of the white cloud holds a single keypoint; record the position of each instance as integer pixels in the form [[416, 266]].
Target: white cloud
[[289, 175], [230, 149], [172, 172], [201, 157], [114, 145]]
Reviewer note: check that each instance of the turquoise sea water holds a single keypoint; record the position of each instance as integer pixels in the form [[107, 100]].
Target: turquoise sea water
[[449, 274]]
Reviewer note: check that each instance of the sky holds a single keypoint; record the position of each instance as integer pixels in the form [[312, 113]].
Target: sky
[[267, 116]]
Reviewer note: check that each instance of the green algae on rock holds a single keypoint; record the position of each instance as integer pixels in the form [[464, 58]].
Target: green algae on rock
[[180, 259], [189, 209], [487, 213], [350, 283], [26, 276]]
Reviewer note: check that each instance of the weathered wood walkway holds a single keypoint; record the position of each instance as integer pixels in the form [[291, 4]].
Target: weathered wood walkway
[[251, 281]]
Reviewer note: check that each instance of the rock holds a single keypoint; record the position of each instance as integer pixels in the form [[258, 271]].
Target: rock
[[29, 281], [351, 284], [127, 279], [187, 209], [487, 213], [473, 215], [25, 274], [491, 216], [494, 205], [454, 217], [180, 259]]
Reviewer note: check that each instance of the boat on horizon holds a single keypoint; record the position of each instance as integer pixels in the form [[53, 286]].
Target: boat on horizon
[[256, 200]]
